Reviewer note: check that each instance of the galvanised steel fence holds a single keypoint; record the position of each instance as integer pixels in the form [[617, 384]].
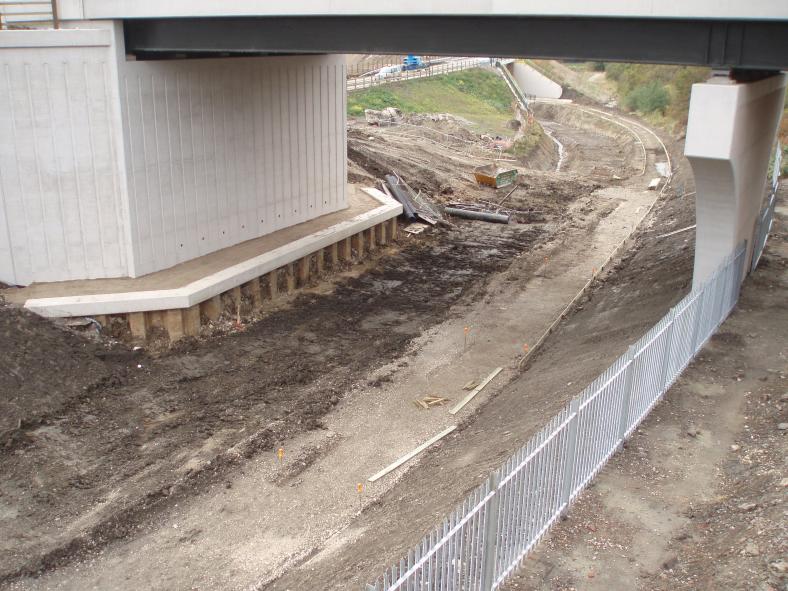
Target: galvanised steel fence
[[764, 224], [434, 69], [484, 540]]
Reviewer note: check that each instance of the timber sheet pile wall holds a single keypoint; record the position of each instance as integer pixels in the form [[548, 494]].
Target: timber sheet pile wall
[[219, 151]]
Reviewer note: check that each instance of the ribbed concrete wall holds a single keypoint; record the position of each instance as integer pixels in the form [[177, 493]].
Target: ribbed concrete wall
[[219, 151], [60, 217], [112, 168], [534, 83]]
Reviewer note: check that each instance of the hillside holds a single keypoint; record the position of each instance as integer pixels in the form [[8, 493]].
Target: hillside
[[478, 95]]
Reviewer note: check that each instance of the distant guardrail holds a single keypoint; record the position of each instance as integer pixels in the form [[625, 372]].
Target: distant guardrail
[[28, 14], [434, 69]]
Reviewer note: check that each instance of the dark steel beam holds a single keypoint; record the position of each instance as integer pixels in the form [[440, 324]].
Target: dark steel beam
[[719, 44]]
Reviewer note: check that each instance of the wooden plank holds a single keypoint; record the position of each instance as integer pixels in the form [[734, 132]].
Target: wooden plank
[[290, 278], [409, 456], [137, 325], [273, 284], [191, 321], [173, 321], [358, 243], [303, 270], [347, 249], [334, 250], [382, 231], [212, 307], [393, 228], [475, 391], [236, 295], [255, 293], [371, 239]]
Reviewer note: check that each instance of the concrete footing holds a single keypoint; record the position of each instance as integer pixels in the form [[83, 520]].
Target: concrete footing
[[238, 288], [242, 300]]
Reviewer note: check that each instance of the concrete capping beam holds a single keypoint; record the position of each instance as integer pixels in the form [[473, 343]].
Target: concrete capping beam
[[33, 38], [217, 283]]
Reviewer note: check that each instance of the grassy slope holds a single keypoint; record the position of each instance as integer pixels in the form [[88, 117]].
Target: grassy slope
[[479, 95]]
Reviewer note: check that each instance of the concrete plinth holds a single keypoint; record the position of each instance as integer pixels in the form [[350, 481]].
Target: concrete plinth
[[730, 134]]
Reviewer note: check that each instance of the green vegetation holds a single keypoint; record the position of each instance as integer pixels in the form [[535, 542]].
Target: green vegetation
[[530, 139], [479, 95], [662, 92], [648, 98]]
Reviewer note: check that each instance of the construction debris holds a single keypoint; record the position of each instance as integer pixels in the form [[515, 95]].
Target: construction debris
[[429, 401], [415, 206], [475, 391], [415, 228], [411, 455], [485, 216], [387, 116], [494, 176], [692, 227]]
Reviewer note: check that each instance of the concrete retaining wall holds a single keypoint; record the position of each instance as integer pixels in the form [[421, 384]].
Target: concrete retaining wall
[[219, 151], [534, 83], [112, 168], [60, 213]]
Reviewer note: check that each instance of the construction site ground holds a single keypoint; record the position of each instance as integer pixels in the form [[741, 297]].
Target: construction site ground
[[126, 469]]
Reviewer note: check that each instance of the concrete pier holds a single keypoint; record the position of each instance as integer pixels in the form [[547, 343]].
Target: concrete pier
[[731, 131]]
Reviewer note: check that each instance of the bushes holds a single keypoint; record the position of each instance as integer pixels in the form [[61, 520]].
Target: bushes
[[648, 98], [656, 89]]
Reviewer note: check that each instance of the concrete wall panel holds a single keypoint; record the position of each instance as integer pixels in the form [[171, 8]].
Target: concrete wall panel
[[220, 151], [533, 82], [59, 179]]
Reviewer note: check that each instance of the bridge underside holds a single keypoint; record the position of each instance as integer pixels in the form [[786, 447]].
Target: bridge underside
[[717, 43]]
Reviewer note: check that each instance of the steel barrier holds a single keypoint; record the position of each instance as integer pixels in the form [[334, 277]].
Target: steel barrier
[[485, 539], [764, 224]]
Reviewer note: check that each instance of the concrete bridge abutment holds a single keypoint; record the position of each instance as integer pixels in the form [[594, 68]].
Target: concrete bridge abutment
[[730, 134]]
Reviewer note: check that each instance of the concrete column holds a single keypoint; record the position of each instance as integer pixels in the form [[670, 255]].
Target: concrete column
[[730, 134]]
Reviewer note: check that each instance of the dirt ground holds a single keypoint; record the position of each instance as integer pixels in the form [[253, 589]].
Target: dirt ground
[[129, 469]]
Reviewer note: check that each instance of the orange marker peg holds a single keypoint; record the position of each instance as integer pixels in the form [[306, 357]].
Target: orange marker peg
[[360, 488], [525, 348], [280, 453]]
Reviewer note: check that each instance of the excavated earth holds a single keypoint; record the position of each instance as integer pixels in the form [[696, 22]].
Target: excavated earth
[[98, 440]]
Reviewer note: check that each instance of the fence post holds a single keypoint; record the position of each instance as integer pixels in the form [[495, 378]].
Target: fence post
[[571, 453], [490, 534], [668, 348], [696, 327], [629, 383]]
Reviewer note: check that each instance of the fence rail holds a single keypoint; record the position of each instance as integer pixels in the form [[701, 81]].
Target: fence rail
[[435, 69], [481, 542], [764, 224], [28, 14]]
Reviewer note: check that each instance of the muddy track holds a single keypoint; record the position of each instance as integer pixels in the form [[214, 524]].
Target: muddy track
[[178, 421]]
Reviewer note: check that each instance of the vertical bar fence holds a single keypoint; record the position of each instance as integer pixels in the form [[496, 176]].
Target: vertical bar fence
[[370, 79], [764, 223], [28, 14], [486, 538]]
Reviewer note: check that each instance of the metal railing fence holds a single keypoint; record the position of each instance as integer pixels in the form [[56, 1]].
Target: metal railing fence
[[484, 540], [453, 65], [28, 14], [764, 224]]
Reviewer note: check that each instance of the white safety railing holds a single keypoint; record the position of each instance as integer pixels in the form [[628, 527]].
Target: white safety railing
[[28, 14], [485, 539], [764, 224]]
